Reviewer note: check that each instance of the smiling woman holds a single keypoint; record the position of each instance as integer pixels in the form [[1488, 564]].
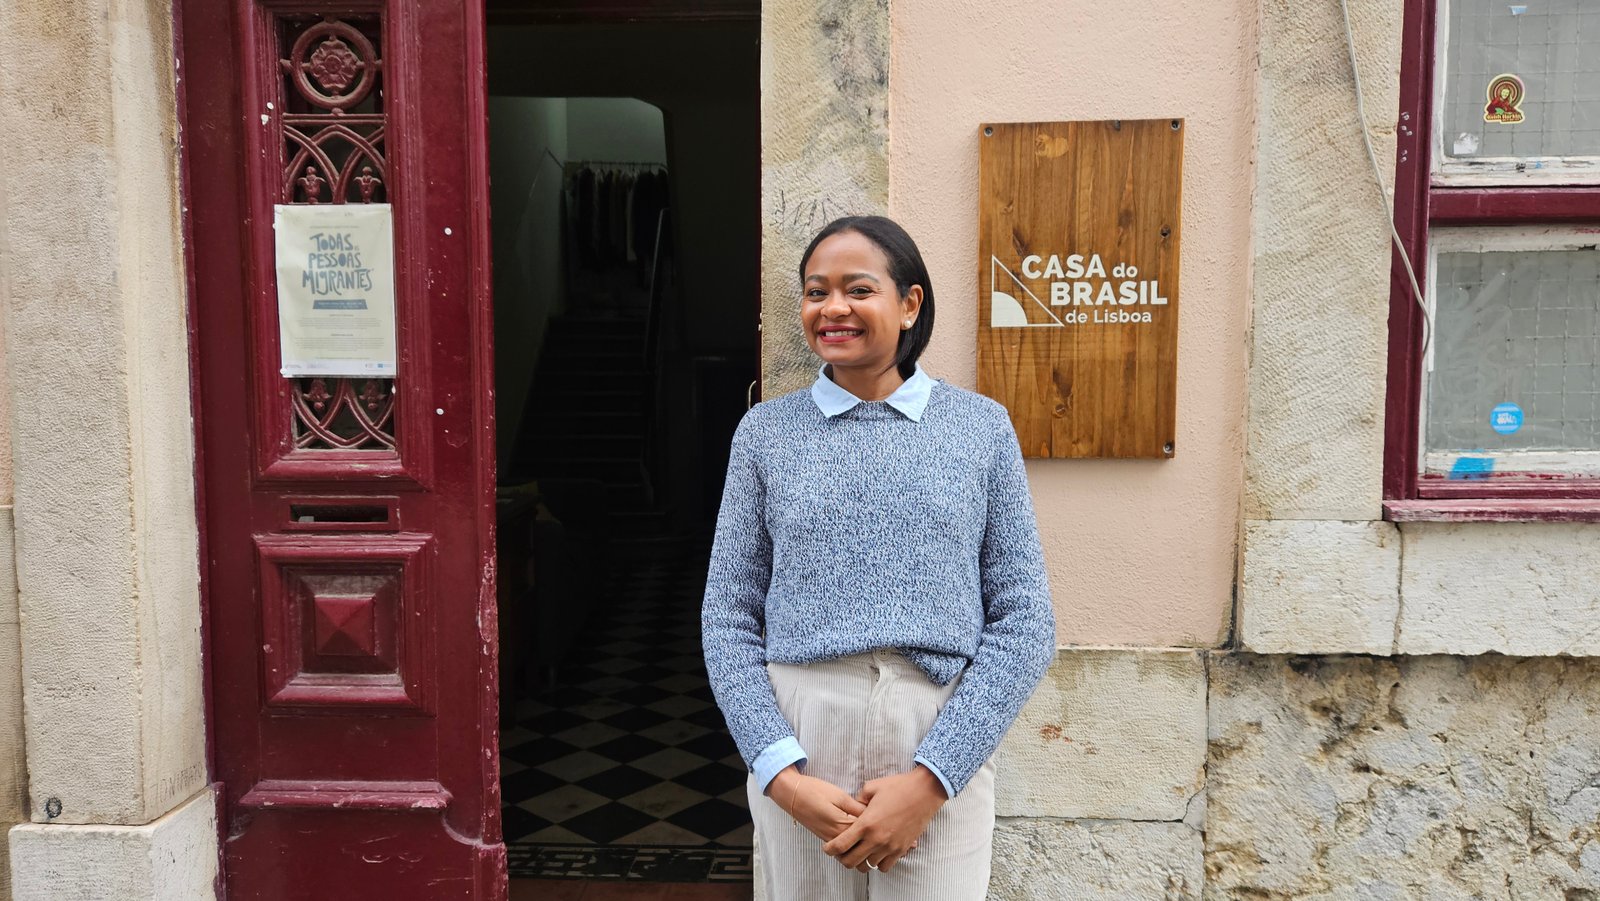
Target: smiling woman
[[865, 284], [876, 610]]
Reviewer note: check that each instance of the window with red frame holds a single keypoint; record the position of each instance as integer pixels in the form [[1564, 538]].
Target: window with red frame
[[1494, 383]]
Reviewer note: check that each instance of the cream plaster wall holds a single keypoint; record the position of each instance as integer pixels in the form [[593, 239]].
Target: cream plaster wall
[[1140, 553], [94, 309]]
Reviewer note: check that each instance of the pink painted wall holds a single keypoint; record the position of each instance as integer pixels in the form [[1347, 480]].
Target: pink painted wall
[[1140, 553]]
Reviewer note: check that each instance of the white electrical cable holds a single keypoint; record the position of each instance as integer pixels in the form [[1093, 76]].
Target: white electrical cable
[[1383, 190]]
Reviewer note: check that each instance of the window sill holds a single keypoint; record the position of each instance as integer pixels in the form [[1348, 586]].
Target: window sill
[[1493, 510]]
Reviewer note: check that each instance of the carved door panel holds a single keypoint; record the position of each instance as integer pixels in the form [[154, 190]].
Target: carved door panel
[[348, 521]]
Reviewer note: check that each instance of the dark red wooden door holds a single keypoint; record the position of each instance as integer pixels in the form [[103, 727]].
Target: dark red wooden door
[[348, 520]]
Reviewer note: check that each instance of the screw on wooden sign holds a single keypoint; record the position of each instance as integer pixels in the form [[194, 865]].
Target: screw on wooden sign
[[1078, 232]]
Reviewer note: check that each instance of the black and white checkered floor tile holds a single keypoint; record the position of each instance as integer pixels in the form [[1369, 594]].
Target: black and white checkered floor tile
[[626, 769]]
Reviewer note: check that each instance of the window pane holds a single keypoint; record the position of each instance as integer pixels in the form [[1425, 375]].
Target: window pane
[[1515, 354], [1553, 47]]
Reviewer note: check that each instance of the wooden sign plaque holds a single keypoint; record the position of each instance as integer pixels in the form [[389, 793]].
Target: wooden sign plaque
[[1078, 227]]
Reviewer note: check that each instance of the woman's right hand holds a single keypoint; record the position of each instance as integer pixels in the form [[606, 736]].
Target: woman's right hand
[[817, 804]]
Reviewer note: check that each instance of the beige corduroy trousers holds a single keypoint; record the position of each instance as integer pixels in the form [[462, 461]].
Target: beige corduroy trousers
[[861, 717]]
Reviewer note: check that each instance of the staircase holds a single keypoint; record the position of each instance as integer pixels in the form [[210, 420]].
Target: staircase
[[585, 429]]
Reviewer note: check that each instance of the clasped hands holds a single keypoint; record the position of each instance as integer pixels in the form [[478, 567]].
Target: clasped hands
[[879, 825]]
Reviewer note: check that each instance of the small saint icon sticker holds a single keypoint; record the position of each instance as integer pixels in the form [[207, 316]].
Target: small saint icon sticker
[[1505, 100]]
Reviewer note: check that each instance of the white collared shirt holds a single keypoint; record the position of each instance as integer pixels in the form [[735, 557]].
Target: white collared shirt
[[911, 398]]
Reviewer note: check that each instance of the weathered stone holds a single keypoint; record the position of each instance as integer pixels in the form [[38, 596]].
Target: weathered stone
[[824, 152], [1109, 734], [171, 859], [1320, 294], [1514, 588], [1074, 860], [93, 296], [1423, 777], [13, 767], [1318, 587]]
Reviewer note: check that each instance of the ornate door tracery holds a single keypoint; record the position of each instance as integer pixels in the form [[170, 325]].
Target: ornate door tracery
[[333, 124], [348, 520]]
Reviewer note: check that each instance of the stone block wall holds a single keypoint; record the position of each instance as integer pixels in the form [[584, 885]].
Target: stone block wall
[[1318, 777], [1439, 777], [173, 858], [1411, 709], [1375, 587], [1100, 784]]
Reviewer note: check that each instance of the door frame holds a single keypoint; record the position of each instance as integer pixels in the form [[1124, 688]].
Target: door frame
[[215, 126], [579, 12], [197, 111]]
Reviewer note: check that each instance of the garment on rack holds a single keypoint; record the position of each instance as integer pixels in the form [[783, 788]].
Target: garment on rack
[[649, 200], [584, 194], [614, 213], [617, 219]]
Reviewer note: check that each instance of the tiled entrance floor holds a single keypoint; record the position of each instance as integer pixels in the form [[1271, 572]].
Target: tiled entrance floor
[[581, 890], [626, 771]]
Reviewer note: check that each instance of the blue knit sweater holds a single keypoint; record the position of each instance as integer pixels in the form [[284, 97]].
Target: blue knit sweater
[[872, 528]]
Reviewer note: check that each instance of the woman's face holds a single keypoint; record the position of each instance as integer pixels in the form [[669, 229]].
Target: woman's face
[[852, 312]]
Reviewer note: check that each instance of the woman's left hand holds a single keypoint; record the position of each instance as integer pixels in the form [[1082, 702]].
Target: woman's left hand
[[899, 808]]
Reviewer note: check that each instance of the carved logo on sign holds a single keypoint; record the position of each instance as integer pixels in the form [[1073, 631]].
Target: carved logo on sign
[[1073, 282]]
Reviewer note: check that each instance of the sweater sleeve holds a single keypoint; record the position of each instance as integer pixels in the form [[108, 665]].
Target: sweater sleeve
[[1018, 637], [733, 613]]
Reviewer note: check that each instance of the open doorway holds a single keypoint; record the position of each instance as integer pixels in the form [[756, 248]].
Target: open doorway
[[625, 204]]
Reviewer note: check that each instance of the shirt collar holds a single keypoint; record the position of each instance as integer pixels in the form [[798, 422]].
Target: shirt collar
[[911, 398]]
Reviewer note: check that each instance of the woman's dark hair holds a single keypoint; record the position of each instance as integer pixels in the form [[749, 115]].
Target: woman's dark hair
[[905, 268]]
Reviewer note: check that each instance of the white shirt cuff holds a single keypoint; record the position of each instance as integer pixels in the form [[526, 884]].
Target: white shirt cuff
[[948, 791], [779, 754]]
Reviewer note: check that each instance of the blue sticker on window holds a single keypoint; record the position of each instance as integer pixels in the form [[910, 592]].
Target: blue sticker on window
[[1505, 418], [1472, 468]]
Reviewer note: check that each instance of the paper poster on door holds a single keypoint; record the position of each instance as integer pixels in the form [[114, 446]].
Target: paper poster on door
[[335, 267]]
